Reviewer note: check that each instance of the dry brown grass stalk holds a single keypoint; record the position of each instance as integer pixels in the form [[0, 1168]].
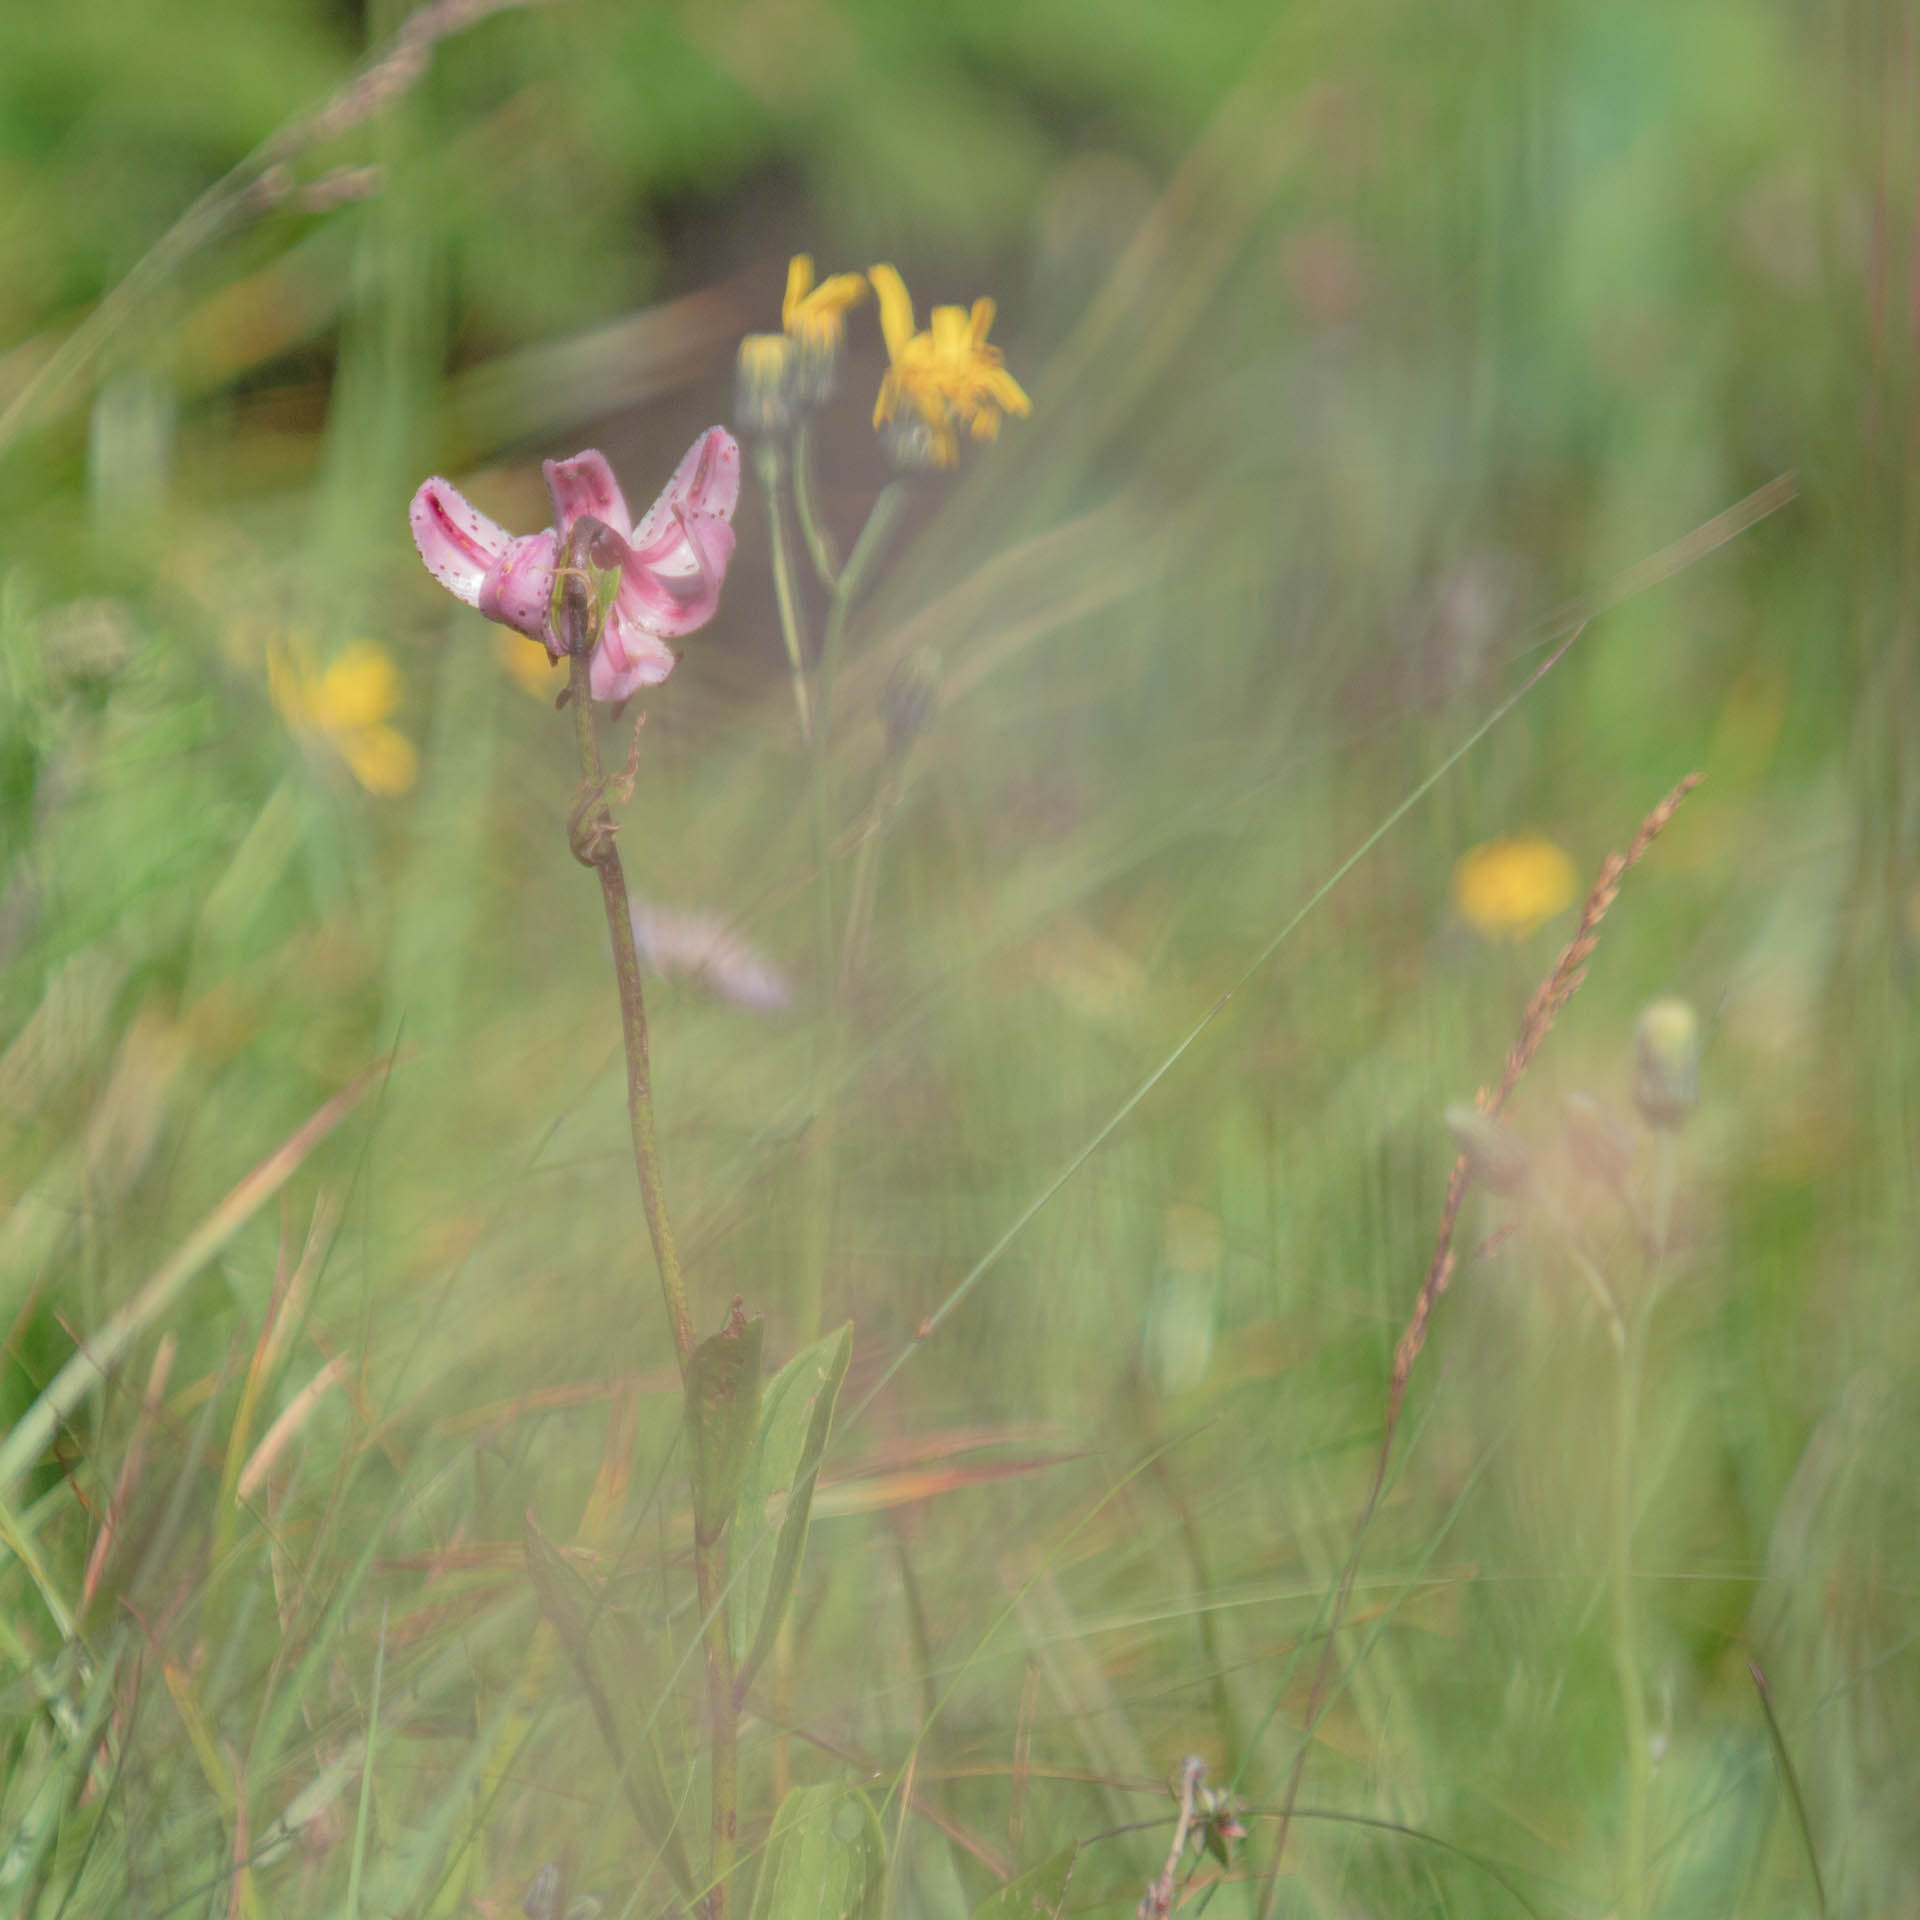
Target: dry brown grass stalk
[[124, 1488], [1548, 1003]]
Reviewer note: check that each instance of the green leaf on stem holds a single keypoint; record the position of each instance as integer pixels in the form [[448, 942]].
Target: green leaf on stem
[[1036, 1895], [723, 1414], [796, 1417], [580, 1619], [826, 1859]]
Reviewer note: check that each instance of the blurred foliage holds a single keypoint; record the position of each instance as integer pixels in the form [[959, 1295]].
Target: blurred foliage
[[1359, 339]]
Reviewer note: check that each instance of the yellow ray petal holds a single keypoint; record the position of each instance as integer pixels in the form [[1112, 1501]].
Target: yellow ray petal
[[799, 285], [896, 308]]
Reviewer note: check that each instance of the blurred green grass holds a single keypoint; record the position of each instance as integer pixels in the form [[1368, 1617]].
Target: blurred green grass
[[1358, 343]]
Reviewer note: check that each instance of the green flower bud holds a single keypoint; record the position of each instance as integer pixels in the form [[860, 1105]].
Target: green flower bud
[[910, 699], [1666, 1063]]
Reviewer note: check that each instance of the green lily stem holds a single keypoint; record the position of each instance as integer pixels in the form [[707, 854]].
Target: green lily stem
[[770, 463], [591, 833], [813, 523], [594, 842]]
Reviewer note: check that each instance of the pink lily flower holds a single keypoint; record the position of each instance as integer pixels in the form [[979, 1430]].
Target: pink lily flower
[[671, 570]]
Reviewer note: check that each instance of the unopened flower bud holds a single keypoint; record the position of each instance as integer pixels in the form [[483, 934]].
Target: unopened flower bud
[[763, 385], [1217, 1821], [1499, 1162], [1666, 1063], [910, 699], [1602, 1144]]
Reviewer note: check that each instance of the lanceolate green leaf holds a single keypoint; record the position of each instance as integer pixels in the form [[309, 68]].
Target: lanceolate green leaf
[[723, 1413], [794, 1425], [580, 1620], [826, 1859], [1036, 1895]]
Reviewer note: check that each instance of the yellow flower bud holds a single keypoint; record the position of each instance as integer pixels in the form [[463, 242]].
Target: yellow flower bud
[[763, 385], [1666, 1063]]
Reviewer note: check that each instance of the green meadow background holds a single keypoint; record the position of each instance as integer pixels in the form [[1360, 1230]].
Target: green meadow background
[[1364, 342]]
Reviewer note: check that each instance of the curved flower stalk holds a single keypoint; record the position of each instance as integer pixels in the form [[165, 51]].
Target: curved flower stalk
[[672, 564]]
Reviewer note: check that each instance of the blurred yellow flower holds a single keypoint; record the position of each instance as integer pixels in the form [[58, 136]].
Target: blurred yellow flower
[[1511, 886], [348, 704], [816, 316], [948, 376]]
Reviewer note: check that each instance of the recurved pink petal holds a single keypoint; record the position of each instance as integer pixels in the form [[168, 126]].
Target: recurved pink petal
[[627, 659], [456, 540], [586, 484], [518, 589], [681, 592], [706, 482], [670, 579]]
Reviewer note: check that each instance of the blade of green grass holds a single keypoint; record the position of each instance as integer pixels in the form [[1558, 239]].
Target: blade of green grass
[[1790, 1778], [372, 1748], [104, 1350], [1648, 573]]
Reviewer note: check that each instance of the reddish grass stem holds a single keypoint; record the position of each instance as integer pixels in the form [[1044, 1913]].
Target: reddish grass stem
[[1548, 1003]]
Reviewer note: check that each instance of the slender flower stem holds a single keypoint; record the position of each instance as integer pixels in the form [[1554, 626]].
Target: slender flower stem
[[1666, 1174], [591, 832], [1158, 1900], [868, 550], [770, 463], [1603, 1295], [866, 864], [1626, 1655], [813, 523], [817, 1213]]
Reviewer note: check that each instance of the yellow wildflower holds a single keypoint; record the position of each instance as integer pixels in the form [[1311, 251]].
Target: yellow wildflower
[[948, 376], [1509, 887], [816, 316], [815, 319], [348, 704]]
